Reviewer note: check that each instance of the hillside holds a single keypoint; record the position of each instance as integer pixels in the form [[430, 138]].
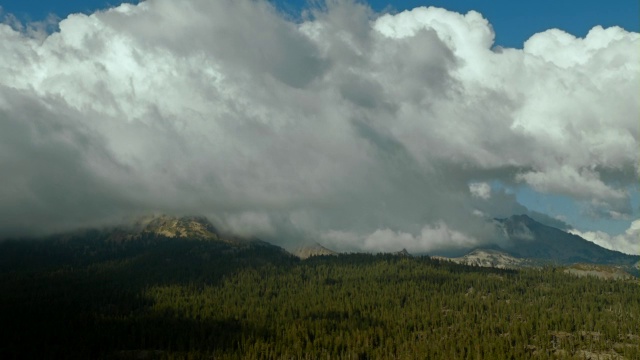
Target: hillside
[[172, 288], [168, 298], [606, 272]]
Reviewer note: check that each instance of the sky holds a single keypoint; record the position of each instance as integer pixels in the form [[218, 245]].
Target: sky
[[513, 21], [364, 126]]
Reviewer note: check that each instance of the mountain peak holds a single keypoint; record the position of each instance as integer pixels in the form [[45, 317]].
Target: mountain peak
[[520, 219], [195, 227], [529, 238], [192, 227], [312, 249], [403, 253]]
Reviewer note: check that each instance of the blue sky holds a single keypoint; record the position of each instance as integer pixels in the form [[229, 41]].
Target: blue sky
[[513, 21], [551, 163]]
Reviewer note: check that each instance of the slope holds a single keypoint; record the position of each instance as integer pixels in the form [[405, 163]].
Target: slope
[[531, 239]]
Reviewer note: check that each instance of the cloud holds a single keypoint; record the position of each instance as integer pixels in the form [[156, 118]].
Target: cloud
[[346, 122], [437, 237], [501, 203], [628, 242], [480, 190]]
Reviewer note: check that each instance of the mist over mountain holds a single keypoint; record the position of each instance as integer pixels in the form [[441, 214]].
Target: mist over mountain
[[369, 131], [529, 242], [531, 239], [523, 242], [222, 179]]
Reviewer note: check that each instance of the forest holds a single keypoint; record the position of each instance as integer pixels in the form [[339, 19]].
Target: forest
[[163, 298]]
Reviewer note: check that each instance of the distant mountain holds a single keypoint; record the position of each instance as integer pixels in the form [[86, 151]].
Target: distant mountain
[[531, 239], [167, 246], [312, 249], [151, 226], [403, 253], [193, 227], [490, 258], [172, 227], [531, 243]]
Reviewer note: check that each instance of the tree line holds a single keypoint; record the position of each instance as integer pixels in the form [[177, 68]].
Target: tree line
[[181, 299]]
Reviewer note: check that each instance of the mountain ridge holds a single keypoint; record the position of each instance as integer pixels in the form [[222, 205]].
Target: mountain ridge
[[530, 243], [529, 238]]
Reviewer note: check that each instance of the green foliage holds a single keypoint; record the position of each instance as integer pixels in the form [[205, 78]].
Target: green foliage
[[167, 298]]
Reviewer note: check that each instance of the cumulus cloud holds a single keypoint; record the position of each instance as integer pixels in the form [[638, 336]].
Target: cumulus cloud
[[627, 242], [347, 122], [480, 190], [437, 237]]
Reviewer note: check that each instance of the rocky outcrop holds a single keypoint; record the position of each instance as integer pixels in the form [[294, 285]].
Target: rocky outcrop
[[313, 249], [490, 258]]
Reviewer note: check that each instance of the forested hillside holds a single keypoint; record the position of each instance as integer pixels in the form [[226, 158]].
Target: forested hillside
[[162, 298]]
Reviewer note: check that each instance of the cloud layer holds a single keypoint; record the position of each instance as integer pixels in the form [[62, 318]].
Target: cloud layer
[[347, 125], [627, 242]]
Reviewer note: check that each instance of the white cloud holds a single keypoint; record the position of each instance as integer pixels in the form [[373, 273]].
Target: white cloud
[[627, 242], [349, 121], [580, 183], [480, 190], [434, 237]]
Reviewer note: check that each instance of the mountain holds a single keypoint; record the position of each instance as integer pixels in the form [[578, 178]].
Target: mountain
[[166, 246], [194, 227], [531, 243], [312, 249], [163, 227], [531, 239], [490, 258], [402, 253], [186, 227]]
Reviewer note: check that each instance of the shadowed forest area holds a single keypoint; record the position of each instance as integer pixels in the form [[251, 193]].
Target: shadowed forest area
[[162, 298]]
